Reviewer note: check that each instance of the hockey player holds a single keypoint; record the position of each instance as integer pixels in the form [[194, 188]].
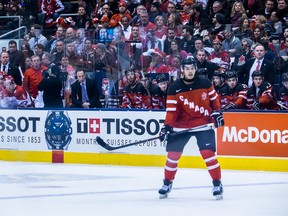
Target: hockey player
[[162, 82], [284, 91], [151, 93], [260, 95], [133, 92], [233, 94], [218, 80], [191, 101]]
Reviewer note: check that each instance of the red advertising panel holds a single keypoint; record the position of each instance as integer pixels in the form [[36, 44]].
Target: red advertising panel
[[254, 134]]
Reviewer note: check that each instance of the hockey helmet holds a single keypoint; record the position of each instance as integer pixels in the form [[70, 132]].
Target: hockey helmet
[[219, 73], [188, 61], [257, 73], [231, 74], [161, 78]]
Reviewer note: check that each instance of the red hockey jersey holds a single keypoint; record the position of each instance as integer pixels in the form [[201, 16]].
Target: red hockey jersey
[[191, 105]]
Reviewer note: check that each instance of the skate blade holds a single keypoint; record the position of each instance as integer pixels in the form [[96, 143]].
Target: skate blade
[[218, 197], [163, 196]]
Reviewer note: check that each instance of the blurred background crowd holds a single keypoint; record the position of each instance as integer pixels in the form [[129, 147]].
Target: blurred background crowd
[[125, 54]]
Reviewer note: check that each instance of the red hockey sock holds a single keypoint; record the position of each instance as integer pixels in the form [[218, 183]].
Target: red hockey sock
[[172, 165], [212, 164]]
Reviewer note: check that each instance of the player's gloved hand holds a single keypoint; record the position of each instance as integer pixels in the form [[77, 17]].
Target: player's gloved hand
[[165, 131], [231, 105], [257, 105], [218, 117]]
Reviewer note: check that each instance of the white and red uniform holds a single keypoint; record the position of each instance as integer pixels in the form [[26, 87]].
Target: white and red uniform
[[265, 96], [236, 95], [189, 106], [222, 59], [49, 7]]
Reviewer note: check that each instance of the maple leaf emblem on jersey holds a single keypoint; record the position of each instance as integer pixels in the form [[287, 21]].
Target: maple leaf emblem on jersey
[[204, 96]]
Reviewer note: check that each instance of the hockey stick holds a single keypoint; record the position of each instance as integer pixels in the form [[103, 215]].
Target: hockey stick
[[101, 142]]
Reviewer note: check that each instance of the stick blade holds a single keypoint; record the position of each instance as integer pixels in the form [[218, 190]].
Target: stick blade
[[101, 142]]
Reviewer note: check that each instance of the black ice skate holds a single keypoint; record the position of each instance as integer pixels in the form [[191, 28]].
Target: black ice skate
[[165, 190], [217, 189]]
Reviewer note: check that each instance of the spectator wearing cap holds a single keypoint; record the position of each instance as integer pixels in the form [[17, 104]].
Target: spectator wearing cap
[[259, 63], [219, 22], [116, 18], [95, 27], [186, 13], [246, 52], [219, 56], [155, 11]]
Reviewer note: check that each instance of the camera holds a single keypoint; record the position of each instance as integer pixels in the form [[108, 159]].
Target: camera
[[63, 76]]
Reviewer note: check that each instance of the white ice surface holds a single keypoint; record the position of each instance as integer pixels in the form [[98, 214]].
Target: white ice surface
[[41, 189]]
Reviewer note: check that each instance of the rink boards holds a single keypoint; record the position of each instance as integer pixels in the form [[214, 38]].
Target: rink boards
[[248, 141]]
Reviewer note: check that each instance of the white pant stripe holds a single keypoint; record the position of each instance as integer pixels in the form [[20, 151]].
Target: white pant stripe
[[172, 161], [210, 159], [170, 168], [213, 166]]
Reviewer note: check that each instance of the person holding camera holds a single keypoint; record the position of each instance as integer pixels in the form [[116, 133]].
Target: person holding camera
[[51, 86]]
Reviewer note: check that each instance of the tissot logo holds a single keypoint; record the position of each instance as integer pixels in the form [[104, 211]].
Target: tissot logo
[[88, 125]]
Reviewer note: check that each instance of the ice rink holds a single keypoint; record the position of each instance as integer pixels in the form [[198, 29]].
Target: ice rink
[[42, 189]]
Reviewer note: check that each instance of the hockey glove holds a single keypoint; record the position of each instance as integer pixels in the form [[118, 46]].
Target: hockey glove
[[231, 105], [164, 133], [257, 105], [218, 117]]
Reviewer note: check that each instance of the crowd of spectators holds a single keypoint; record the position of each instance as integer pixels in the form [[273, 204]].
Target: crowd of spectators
[[131, 51]]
